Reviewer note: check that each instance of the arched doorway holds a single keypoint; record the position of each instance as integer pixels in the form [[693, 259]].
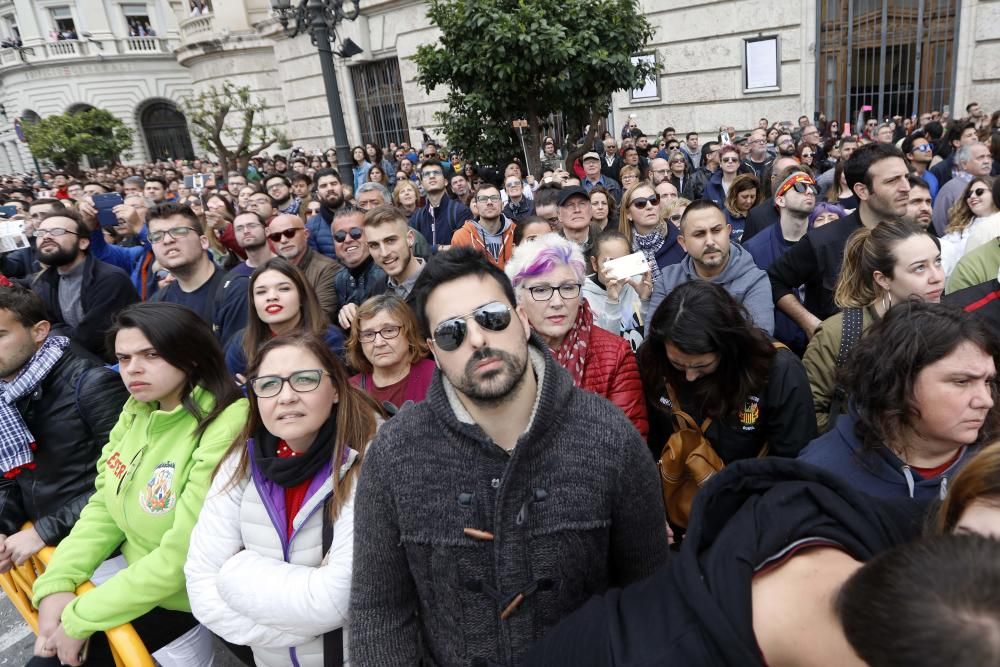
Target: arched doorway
[[166, 131]]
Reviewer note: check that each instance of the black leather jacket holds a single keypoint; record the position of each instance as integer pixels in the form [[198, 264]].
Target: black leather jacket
[[71, 427]]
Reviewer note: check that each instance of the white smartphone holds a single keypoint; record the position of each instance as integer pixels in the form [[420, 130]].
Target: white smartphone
[[625, 267]]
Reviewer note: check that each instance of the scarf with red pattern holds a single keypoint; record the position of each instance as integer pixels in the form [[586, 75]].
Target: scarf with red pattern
[[572, 353]]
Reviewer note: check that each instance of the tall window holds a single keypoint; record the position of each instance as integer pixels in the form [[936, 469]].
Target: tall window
[[137, 20], [381, 110], [63, 24]]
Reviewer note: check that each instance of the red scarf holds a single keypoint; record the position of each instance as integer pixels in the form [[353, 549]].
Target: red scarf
[[572, 353]]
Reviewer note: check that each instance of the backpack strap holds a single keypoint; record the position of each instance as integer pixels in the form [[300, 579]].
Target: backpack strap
[[681, 418], [333, 641], [850, 333]]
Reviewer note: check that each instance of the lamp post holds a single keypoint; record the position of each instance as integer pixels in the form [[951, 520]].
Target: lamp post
[[321, 18]]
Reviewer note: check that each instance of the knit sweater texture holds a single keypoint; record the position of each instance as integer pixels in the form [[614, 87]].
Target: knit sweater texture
[[574, 509]]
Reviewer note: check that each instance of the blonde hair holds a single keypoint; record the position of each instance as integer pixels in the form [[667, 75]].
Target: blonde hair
[[960, 215], [624, 223], [868, 251]]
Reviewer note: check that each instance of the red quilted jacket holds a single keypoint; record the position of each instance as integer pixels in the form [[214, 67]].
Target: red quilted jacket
[[611, 371]]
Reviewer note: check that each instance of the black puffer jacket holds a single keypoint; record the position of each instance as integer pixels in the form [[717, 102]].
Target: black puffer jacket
[[71, 427], [696, 611]]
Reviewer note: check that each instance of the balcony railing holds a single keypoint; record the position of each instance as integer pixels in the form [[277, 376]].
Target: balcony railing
[[67, 48], [197, 28], [142, 45]]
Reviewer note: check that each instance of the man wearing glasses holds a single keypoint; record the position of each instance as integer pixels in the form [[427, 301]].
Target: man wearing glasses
[[181, 247], [493, 233], [919, 152], [441, 216], [290, 239], [504, 500], [80, 292], [280, 190], [361, 277], [758, 159]]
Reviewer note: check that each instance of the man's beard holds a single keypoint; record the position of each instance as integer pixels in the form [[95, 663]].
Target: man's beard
[[59, 256], [495, 387], [333, 200]]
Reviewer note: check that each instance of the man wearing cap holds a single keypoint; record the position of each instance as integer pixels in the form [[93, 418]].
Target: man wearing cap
[[795, 198], [592, 167], [574, 216]]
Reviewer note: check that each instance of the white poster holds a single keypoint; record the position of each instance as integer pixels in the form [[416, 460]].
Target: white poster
[[761, 63]]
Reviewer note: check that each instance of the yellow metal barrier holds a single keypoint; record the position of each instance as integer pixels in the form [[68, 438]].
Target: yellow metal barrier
[[126, 646]]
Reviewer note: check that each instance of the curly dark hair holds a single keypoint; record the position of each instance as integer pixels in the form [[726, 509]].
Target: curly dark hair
[[883, 367], [700, 317]]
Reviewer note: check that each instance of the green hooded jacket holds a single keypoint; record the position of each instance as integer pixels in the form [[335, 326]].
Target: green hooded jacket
[[152, 478]]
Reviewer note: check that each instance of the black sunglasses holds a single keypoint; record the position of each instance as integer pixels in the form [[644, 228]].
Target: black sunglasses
[[340, 235], [978, 192], [288, 233], [640, 202], [494, 316]]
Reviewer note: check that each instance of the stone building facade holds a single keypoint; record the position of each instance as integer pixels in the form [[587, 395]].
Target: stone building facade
[[723, 62]]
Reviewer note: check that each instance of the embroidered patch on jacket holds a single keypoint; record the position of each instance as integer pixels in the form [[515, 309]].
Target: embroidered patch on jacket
[[158, 497], [750, 413]]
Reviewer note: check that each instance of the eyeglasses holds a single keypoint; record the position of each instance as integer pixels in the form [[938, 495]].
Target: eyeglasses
[[287, 233], [387, 332], [923, 148], [978, 192], [661, 171], [488, 198], [301, 382], [545, 292], [174, 233], [55, 231], [806, 155], [340, 235], [730, 160], [675, 218], [640, 202], [246, 227], [493, 316], [427, 173], [276, 186], [512, 184]]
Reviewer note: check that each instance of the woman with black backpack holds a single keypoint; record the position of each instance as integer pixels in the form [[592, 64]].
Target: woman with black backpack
[[892, 263]]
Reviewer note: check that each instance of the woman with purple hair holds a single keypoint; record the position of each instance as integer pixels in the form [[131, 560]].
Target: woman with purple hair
[[547, 275], [825, 213]]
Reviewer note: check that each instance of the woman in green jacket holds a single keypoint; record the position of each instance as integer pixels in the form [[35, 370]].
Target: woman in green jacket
[[183, 413], [894, 262]]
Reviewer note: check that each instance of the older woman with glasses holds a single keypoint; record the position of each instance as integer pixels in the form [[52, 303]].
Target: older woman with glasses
[[678, 170], [386, 346], [547, 275]]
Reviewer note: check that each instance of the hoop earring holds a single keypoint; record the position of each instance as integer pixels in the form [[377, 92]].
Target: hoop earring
[[886, 301]]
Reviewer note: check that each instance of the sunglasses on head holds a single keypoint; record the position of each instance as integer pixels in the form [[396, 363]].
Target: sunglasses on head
[[640, 202], [287, 233], [340, 235], [493, 316]]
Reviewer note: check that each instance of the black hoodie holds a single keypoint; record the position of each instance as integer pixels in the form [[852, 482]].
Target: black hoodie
[[697, 610]]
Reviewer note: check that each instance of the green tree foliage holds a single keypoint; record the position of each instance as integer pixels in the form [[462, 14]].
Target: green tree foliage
[[526, 59], [230, 123], [64, 139]]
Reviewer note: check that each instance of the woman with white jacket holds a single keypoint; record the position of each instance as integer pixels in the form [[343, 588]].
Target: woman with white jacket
[[270, 561]]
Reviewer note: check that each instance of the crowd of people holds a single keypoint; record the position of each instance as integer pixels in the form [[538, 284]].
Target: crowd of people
[[664, 401]]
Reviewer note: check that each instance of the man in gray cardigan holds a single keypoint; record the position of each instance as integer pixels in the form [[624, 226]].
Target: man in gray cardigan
[[503, 501], [712, 256]]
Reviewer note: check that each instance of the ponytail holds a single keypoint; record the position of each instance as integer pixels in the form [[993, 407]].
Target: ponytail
[[867, 251]]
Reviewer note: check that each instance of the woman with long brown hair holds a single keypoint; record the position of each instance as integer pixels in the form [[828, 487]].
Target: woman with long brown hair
[[280, 301], [969, 212], [742, 195], [271, 555]]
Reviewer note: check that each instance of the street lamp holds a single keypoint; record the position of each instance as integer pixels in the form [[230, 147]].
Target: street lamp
[[321, 18]]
